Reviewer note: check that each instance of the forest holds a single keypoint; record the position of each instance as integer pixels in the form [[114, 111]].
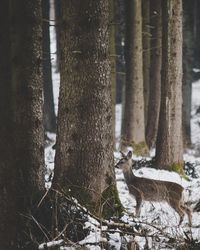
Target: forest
[[100, 124]]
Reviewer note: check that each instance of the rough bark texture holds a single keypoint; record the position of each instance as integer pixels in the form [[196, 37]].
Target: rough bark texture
[[27, 103], [57, 6], [197, 32], [119, 39], [112, 53], [133, 127], [49, 112], [7, 168], [169, 148], [188, 64], [155, 73], [84, 149], [146, 53]]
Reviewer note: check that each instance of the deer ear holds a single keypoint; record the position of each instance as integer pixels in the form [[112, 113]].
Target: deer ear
[[129, 155], [123, 155]]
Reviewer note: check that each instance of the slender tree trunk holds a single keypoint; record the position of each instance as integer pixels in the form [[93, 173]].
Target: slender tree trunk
[[57, 6], [188, 64], [84, 155], [133, 127], [27, 103], [155, 73], [119, 38], [197, 32], [49, 112], [146, 53], [169, 145], [7, 169]]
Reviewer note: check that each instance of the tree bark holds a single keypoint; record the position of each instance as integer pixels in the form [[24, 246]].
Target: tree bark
[[155, 73], [119, 39], [169, 145], [27, 103], [84, 149], [7, 168], [197, 32], [133, 127], [112, 53], [49, 112], [146, 53], [57, 6], [188, 65]]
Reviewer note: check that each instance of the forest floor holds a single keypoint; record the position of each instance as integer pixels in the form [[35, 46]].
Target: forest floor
[[158, 220]]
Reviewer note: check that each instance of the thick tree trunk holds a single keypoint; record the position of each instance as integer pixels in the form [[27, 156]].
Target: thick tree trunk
[[146, 53], [169, 146], [49, 112], [7, 169], [133, 127], [27, 103], [84, 155], [155, 73], [112, 53]]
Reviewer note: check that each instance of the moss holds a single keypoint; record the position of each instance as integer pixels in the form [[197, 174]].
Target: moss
[[140, 148], [107, 206], [178, 168], [110, 202]]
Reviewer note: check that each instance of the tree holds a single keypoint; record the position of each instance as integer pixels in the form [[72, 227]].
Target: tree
[[197, 32], [49, 112], [119, 40], [57, 6], [146, 53], [7, 169], [133, 127], [169, 145], [155, 73], [188, 65], [84, 149], [112, 53], [26, 102]]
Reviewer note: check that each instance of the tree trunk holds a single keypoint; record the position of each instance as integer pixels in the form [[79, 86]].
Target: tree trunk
[[7, 169], [84, 149], [146, 53], [188, 65], [57, 6], [119, 38], [49, 112], [197, 32], [112, 52], [169, 145], [133, 127], [27, 103], [155, 73]]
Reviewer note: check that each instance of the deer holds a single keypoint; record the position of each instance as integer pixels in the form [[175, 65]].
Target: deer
[[144, 189]]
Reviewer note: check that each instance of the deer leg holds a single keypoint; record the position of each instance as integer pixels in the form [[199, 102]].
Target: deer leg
[[138, 204], [177, 207], [136, 193], [188, 212]]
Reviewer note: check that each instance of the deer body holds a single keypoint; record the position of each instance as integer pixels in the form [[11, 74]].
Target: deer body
[[144, 189]]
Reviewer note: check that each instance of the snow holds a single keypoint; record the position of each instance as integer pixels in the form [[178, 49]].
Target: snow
[[158, 215], [160, 219]]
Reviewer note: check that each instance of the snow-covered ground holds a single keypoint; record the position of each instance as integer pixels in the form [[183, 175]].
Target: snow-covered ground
[[159, 218], [158, 215]]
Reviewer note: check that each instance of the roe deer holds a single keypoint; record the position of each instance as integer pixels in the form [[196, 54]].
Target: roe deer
[[153, 190]]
